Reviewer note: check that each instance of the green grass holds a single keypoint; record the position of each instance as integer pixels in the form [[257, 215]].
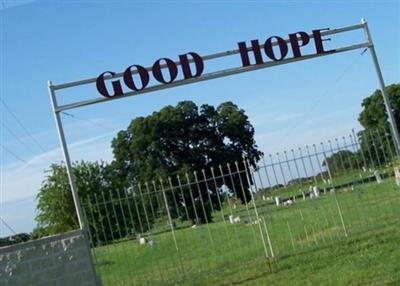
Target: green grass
[[308, 241]]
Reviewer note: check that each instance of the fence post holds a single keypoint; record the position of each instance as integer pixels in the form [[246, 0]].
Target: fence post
[[334, 191], [391, 120], [172, 229]]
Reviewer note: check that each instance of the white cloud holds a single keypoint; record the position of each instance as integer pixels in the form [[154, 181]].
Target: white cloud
[[21, 181]]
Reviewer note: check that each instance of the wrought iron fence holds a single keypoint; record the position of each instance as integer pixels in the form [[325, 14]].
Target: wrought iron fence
[[188, 226]]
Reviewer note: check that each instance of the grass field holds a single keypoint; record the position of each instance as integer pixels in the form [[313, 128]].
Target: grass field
[[351, 237]]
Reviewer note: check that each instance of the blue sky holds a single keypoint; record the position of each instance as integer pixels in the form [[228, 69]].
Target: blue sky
[[62, 41]]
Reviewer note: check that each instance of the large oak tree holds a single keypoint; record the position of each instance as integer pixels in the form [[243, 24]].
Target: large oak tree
[[181, 139]]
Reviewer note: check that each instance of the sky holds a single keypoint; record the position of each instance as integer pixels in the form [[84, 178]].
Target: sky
[[62, 41]]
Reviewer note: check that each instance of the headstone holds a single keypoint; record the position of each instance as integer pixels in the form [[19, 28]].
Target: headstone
[[263, 197], [304, 196], [397, 175], [233, 219], [288, 203], [315, 191], [378, 177], [142, 241], [277, 201]]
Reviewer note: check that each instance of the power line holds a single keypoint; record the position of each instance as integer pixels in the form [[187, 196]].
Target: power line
[[27, 146], [19, 158], [13, 154], [7, 225], [324, 94], [88, 121], [17, 138], [22, 126]]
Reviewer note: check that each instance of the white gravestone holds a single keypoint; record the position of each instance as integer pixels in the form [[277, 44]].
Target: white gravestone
[[288, 203], [142, 241], [397, 175], [378, 177], [315, 191], [277, 201], [233, 219]]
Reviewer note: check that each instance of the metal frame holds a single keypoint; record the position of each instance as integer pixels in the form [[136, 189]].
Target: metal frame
[[212, 75]]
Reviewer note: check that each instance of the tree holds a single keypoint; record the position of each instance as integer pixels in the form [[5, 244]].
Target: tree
[[98, 192], [340, 161], [376, 139], [55, 208], [176, 141], [374, 114], [13, 239]]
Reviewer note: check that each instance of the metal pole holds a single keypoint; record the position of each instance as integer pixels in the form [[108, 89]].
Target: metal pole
[[392, 121], [61, 136], [171, 224], [71, 178]]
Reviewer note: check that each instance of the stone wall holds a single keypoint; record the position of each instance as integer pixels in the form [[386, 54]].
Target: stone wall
[[59, 260]]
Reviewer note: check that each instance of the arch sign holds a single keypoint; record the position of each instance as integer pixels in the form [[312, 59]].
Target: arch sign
[[189, 68], [295, 42]]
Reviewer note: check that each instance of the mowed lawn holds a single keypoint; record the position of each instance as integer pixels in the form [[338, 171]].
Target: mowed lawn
[[351, 237]]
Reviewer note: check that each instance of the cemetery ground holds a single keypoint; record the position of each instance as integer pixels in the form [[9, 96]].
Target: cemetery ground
[[347, 237]]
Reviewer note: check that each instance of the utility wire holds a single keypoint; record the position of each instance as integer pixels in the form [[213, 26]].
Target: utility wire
[[88, 121], [17, 138], [324, 94], [22, 126], [8, 226], [19, 158]]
